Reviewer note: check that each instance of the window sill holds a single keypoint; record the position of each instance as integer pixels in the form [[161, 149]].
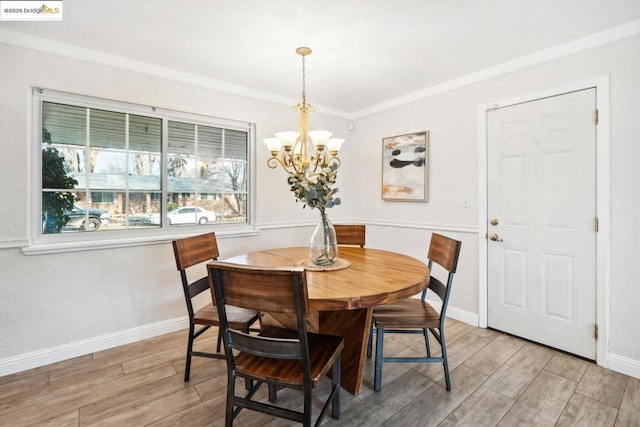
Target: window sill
[[77, 246]]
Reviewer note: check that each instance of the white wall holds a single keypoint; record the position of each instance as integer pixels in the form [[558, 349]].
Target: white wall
[[452, 119], [63, 304], [52, 304]]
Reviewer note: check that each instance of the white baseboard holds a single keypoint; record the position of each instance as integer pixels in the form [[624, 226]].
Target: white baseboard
[[624, 365], [615, 362], [91, 345], [47, 356], [463, 316]]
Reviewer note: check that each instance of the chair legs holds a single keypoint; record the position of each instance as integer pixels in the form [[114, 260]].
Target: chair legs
[[193, 334], [187, 367], [273, 393], [377, 378], [335, 385], [236, 403], [425, 332], [379, 360], [445, 363], [191, 353], [231, 386], [306, 417]]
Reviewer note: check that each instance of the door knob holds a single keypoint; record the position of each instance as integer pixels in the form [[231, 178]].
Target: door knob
[[495, 237]]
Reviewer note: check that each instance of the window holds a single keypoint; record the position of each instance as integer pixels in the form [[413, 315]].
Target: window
[[102, 197], [113, 167], [207, 167]]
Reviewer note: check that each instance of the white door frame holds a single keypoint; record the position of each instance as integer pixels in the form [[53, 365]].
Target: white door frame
[[602, 202]]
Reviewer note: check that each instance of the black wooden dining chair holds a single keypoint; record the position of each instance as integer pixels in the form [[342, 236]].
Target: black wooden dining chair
[[350, 234], [280, 358], [417, 316], [190, 252]]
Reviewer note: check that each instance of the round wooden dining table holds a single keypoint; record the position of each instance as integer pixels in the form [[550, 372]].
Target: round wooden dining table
[[342, 297]]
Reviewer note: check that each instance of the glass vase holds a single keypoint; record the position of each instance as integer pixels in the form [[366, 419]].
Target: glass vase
[[323, 248]]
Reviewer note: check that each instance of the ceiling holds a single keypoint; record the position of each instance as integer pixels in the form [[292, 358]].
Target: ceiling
[[365, 53]]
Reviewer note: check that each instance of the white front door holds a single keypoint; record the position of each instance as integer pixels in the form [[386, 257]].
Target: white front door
[[542, 212]]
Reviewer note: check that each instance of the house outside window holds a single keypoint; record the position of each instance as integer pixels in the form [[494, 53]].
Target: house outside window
[[105, 167]]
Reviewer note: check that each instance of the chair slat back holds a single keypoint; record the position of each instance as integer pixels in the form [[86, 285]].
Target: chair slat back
[[274, 294], [437, 287], [351, 234], [281, 290], [191, 251], [278, 348], [444, 251], [198, 286]]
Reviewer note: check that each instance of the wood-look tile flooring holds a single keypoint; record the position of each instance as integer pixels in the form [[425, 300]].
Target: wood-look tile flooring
[[497, 380]]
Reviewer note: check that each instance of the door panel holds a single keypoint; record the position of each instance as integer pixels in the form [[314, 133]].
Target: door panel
[[514, 185], [558, 286], [515, 275], [541, 191]]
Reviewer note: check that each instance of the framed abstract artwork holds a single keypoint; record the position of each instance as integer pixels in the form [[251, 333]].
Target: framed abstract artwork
[[405, 167]]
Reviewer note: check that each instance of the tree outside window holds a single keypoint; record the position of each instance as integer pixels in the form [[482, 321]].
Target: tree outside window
[[55, 201]]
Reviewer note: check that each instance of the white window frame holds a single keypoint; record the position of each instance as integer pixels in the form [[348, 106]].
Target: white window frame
[[68, 242]]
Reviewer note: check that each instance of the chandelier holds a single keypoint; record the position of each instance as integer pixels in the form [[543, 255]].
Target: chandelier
[[304, 151]]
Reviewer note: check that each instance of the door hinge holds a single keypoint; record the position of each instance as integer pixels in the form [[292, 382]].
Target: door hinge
[[596, 224], [595, 117], [595, 331]]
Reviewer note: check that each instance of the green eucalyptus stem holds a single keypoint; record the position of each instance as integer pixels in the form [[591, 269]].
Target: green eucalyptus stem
[[316, 190], [324, 258]]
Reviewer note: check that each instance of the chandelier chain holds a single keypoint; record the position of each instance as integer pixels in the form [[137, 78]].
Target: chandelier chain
[[304, 85]]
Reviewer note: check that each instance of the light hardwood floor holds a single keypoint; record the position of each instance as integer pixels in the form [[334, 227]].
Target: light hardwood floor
[[497, 380]]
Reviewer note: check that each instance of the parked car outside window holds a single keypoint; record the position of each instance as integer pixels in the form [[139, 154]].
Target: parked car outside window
[[190, 215], [186, 215], [77, 218]]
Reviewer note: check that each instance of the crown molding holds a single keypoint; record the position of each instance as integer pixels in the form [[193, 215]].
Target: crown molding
[[100, 58], [622, 32], [590, 42]]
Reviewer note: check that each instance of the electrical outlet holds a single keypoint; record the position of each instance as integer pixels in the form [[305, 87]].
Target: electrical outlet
[[465, 202]]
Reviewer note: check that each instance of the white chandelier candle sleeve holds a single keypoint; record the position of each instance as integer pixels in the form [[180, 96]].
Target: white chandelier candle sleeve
[[288, 139], [273, 144], [334, 145], [320, 138]]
